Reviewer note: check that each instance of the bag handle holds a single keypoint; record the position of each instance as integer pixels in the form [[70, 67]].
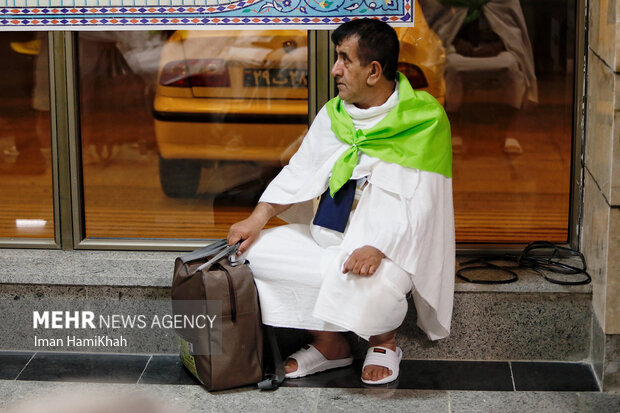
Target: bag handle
[[204, 251], [226, 252]]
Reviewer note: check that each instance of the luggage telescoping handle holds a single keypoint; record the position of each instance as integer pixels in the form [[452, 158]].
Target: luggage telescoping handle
[[230, 250]]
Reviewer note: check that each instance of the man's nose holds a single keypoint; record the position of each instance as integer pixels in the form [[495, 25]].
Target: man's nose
[[336, 69]]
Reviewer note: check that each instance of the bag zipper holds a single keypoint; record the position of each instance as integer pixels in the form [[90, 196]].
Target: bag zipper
[[231, 292]]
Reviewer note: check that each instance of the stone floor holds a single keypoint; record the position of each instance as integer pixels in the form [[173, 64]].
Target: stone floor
[[58, 382], [414, 374], [55, 397]]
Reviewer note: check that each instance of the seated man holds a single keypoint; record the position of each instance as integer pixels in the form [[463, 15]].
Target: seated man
[[380, 154]]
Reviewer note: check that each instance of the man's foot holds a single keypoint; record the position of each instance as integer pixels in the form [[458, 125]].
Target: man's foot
[[331, 345], [373, 372], [385, 358], [310, 361]]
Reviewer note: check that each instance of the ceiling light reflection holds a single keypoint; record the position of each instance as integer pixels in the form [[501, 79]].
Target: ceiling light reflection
[[30, 223]]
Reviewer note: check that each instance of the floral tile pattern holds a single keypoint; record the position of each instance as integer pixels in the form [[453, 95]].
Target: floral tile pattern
[[196, 14]]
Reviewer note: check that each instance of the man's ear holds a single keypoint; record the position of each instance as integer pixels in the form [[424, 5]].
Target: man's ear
[[375, 74]]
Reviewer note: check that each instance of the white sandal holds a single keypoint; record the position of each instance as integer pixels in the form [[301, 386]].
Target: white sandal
[[384, 357], [310, 361]]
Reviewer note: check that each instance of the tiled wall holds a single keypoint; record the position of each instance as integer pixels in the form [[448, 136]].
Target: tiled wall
[[602, 160], [601, 220]]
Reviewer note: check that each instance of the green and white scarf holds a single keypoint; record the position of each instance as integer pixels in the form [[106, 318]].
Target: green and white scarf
[[414, 134]]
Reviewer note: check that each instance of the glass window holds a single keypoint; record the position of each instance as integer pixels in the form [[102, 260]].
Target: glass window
[[509, 96], [181, 131], [26, 199]]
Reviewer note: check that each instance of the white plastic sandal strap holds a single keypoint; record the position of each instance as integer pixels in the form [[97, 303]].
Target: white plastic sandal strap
[[310, 360], [384, 357], [381, 356], [307, 358]]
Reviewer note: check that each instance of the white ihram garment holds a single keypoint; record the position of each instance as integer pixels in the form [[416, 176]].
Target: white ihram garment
[[405, 213]]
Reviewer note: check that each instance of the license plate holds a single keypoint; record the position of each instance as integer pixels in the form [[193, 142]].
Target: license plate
[[275, 77]]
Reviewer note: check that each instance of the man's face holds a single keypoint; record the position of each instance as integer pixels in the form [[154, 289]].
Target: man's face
[[350, 74]]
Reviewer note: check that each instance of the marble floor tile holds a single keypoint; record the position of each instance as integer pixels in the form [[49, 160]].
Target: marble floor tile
[[456, 375], [382, 400], [63, 397], [244, 400], [12, 362], [539, 376], [513, 402], [166, 370], [114, 368], [595, 402], [12, 391]]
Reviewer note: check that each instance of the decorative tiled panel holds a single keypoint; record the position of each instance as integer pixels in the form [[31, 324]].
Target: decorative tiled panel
[[196, 14]]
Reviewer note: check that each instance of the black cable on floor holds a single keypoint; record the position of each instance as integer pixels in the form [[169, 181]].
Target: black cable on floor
[[542, 257]]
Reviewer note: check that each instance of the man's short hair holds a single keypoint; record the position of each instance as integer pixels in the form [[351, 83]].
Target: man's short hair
[[377, 40]]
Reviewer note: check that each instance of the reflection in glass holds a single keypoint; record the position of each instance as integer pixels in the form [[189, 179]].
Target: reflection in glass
[[228, 97], [511, 115], [181, 131], [26, 200]]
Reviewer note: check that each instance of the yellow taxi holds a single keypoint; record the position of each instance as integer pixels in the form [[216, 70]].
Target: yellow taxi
[[239, 96]]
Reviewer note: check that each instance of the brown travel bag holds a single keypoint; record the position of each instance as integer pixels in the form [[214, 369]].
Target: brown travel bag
[[229, 353]]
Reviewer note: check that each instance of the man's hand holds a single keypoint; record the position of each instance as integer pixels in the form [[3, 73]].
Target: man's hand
[[249, 229], [363, 261], [246, 230]]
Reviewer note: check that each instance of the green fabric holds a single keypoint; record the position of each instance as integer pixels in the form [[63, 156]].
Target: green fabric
[[474, 7], [415, 134]]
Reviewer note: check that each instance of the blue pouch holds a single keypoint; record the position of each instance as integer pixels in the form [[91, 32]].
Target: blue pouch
[[333, 213]]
